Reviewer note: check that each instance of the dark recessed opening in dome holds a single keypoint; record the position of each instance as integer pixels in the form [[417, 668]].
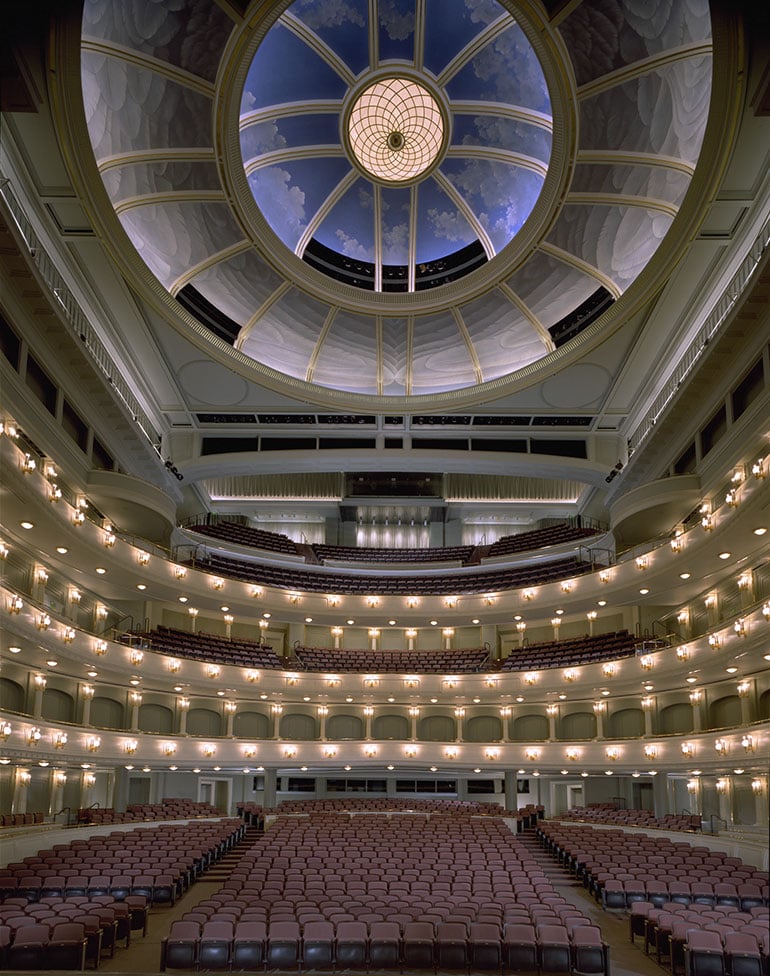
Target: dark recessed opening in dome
[[207, 314], [581, 317]]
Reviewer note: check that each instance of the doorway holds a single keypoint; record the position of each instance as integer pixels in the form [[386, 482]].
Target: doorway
[[217, 792]]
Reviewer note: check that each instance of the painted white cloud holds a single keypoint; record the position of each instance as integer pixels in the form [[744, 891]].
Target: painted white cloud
[[352, 247], [282, 204], [448, 224], [332, 13], [397, 26]]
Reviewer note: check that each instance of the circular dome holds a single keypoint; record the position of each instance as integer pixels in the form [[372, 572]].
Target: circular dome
[[395, 130]]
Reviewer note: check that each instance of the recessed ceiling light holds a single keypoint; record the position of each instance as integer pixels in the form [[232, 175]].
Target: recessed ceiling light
[[684, 576], [644, 591], [15, 650], [308, 620], [434, 623], [141, 586], [52, 664], [731, 670], [177, 687], [392, 623], [691, 680], [224, 609], [62, 550], [92, 674], [475, 620], [760, 530], [267, 615], [559, 612], [766, 657], [183, 599], [477, 769], [101, 570], [27, 525], [145, 769], [739, 771], [725, 555], [602, 603], [350, 622]]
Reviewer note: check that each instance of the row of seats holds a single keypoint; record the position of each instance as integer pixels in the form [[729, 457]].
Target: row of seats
[[200, 646], [536, 574], [552, 535], [385, 555], [21, 819], [461, 660], [610, 813], [167, 809], [571, 652], [350, 806], [246, 535]]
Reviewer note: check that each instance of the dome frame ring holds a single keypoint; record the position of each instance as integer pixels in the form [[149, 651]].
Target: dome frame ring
[[396, 71]]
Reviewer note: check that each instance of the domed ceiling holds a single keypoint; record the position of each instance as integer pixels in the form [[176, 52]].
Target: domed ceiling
[[395, 198]]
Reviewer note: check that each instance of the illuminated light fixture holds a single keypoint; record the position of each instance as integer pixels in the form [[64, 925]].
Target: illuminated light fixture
[[276, 709], [492, 754], [592, 615], [721, 746], [532, 754], [528, 595], [691, 679], [373, 681], [604, 576], [521, 626], [88, 691], [411, 633], [459, 712], [192, 612], [59, 778], [43, 621], [714, 641], [213, 671], [108, 539], [599, 707], [644, 590], [93, 742], [747, 741], [136, 657], [337, 631], [6, 730], [68, 635], [570, 674], [55, 494], [567, 586], [572, 754], [372, 601], [78, 518], [410, 751], [218, 583], [414, 711], [491, 681], [683, 616], [450, 602], [721, 786], [183, 703], [766, 611], [168, 748], [692, 785], [448, 631], [758, 468], [135, 697], [505, 711], [330, 752], [374, 632], [682, 653], [743, 688], [228, 618], [322, 710], [249, 752], [688, 749], [449, 683], [676, 544], [174, 665], [75, 595], [370, 751], [252, 675], [757, 786], [4, 550], [231, 707], [650, 752], [142, 557], [368, 710], [290, 752], [412, 602], [130, 746], [332, 680], [612, 753], [744, 581], [489, 599], [28, 464], [332, 600], [24, 776], [609, 669], [264, 623], [180, 572], [731, 498], [411, 681], [740, 627], [100, 647], [209, 750], [255, 591], [552, 709], [15, 604], [707, 522], [647, 662], [40, 681], [556, 622], [641, 562], [695, 696], [647, 702]]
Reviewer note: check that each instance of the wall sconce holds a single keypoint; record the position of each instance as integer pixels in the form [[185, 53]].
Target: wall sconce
[[6, 729], [74, 595], [676, 544], [249, 752], [24, 776], [570, 674], [414, 711], [449, 683], [290, 752], [556, 622], [740, 627], [332, 600], [743, 688], [599, 707], [492, 754], [15, 604], [612, 752], [374, 632], [532, 754], [572, 754], [744, 581], [135, 697], [174, 665], [43, 621], [707, 522], [646, 662], [747, 741], [609, 669], [489, 599], [368, 710], [641, 562], [521, 626], [647, 702], [682, 653], [505, 711], [451, 752], [528, 595], [218, 583], [336, 631], [412, 602], [40, 681], [183, 704], [93, 742], [758, 468], [55, 495], [143, 558], [650, 752], [529, 678], [89, 779], [370, 751], [87, 691], [168, 748], [331, 680], [295, 598], [180, 572], [411, 681], [592, 615], [41, 576], [330, 752], [292, 680], [552, 709], [276, 709], [692, 785], [130, 746], [136, 657], [322, 710], [567, 586], [251, 675], [714, 641], [78, 518], [459, 712], [688, 749], [208, 749], [757, 786], [450, 602], [231, 707], [59, 740], [28, 464], [604, 576], [59, 778], [710, 601], [213, 671], [228, 619], [721, 746], [410, 751], [695, 696], [731, 498], [491, 681], [108, 539], [721, 785], [683, 616]]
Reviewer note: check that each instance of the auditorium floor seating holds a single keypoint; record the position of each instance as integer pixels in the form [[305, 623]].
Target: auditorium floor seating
[[462, 660]]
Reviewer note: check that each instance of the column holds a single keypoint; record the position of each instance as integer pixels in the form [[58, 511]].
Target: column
[[271, 786], [322, 713], [56, 791], [37, 702], [509, 785], [660, 796], [20, 790], [552, 711], [697, 702], [87, 693], [230, 709], [182, 704], [600, 708], [505, 718], [725, 795], [459, 716], [759, 786], [746, 693], [414, 714], [276, 712], [368, 713], [134, 701]]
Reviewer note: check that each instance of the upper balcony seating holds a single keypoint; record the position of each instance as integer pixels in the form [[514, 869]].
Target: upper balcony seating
[[283, 577], [610, 813], [552, 535], [207, 647], [167, 809], [420, 662], [244, 535], [384, 555], [570, 653]]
